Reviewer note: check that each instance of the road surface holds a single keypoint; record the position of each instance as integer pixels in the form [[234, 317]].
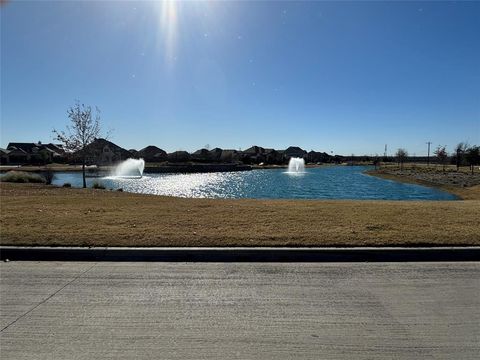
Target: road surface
[[125, 310]]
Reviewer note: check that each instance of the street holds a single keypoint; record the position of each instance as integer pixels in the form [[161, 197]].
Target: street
[[174, 310]]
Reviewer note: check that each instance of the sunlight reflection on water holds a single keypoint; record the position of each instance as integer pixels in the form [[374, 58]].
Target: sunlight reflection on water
[[342, 182]]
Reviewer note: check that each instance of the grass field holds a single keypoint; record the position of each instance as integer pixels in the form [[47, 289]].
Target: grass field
[[33, 214]]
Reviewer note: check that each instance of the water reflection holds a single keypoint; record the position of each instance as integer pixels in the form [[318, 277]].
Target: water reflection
[[339, 182]]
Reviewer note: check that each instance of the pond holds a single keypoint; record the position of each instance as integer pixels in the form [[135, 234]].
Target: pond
[[329, 182]]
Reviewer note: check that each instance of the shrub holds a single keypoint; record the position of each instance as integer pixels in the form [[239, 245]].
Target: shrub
[[22, 177], [48, 175], [97, 185], [67, 185], [120, 189]]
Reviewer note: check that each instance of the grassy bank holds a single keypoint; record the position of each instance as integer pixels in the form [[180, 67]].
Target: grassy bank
[[34, 214], [463, 184]]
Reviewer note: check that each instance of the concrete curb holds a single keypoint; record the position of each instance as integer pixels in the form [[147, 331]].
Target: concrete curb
[[359, 254]]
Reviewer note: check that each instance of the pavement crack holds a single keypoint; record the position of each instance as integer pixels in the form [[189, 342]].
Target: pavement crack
[[49, 297]]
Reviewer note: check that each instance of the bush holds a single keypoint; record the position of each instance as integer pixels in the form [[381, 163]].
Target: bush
[[67, 185], [120, 189], [97, 185], [48, 175], [22, 177]]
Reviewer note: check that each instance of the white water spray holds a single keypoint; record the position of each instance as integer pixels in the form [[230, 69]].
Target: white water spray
[[296, 166], [130, 168]]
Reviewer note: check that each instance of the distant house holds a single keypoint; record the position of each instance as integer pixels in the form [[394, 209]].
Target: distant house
[[32, 153], [4, 156], [272, 156], [152, 154], [294, 151], [216, 154], [28, 148], [318, 157], [202, 155], [104, 152], [57, 148], [134, 152], [253, 155], [230, 156], [178, 156]]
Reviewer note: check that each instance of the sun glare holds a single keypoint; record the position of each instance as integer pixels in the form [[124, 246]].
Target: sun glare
[[168, 28]]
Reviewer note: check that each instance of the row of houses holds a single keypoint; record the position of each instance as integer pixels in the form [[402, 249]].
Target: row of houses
[[32, 153], [252, 155], [104, 152]]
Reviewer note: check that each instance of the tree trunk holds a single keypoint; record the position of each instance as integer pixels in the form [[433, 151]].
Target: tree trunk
[[83, 172]]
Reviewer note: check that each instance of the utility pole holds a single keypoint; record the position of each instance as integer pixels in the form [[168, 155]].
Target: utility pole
[[428, 156]]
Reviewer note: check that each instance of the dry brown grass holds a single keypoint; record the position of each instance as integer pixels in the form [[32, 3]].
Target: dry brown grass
[[464, 193], [45, 215]]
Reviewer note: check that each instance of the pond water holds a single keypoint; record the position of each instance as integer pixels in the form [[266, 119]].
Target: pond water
[[329, 182]]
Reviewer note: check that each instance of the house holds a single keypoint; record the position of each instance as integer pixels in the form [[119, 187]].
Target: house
[[272, 156], [178, 156], [134, 152], [4, 157], [152, 153], [216, 154], [57, 148], [229, 156], [318, 157], [202, 155], [253, 155], [33, 153], [104, 152], [294, 151]]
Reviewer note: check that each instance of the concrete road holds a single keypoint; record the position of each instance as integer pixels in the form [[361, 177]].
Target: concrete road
[[108, 310]]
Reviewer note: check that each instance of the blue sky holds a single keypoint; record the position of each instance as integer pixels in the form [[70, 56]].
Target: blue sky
[[346, 77]]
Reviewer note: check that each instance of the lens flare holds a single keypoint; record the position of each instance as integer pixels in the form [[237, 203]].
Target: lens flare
[[168, 29]]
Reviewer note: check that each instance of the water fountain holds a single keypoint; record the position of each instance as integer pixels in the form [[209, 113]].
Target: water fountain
[[296, 166], [130, 168]]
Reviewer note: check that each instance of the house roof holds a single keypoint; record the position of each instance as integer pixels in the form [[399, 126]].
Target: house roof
[[254, 150], [294, 149], [201, 152], [179, 152], [229, 152], [100, 143], [58, 148], [16, 151], [27, 147], [151, 150], [268, 151]]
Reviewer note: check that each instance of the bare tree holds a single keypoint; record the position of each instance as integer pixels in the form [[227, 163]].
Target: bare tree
[[376, 161], [472, 156], [401, 155], [459, 153], [441, 153], [84, 128]]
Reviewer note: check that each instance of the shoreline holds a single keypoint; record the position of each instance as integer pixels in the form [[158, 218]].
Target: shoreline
[[463, 193]]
